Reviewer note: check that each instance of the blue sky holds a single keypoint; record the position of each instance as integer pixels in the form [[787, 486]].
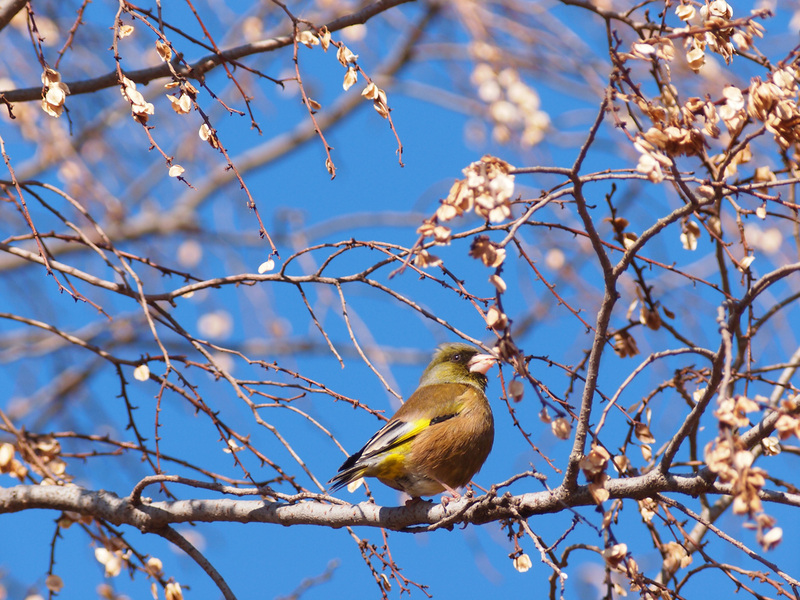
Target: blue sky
[[294, 194]]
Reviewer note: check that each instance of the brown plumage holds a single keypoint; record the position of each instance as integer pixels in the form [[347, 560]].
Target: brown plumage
[[440, 437]]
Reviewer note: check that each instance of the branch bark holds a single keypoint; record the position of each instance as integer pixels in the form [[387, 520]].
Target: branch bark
[[9, 12], [151, 516]]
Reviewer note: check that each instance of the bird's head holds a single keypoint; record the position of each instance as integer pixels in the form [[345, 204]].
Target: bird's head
[[458, 363]]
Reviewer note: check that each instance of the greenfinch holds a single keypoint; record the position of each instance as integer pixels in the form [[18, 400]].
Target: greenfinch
[[440, 437]]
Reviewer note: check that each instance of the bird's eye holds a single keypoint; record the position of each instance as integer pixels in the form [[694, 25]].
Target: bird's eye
[[455, 358]]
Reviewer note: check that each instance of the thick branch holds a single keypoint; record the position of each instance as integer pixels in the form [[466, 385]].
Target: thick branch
[[154, 516], [10, 11]]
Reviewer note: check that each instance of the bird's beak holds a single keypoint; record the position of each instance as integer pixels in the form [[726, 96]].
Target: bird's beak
[[481, 363]]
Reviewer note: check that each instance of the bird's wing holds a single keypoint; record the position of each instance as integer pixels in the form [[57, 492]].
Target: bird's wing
[[393, 434], [396, 433], [390, 436], [410, 423]]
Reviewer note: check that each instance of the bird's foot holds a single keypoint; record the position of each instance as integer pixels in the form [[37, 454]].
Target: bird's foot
[[453, 497]]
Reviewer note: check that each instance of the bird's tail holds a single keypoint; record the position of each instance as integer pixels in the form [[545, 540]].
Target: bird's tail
[[343, 477], [353, 468]]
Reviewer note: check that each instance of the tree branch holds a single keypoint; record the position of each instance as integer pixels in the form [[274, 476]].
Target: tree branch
[[200, 67], [154, 516]]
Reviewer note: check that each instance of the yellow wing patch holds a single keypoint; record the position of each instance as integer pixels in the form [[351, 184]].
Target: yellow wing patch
[[413, 429], [391, 466], [392, 456], [393, 435]]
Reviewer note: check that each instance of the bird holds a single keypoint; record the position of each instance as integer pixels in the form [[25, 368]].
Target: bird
[[440, 437]]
